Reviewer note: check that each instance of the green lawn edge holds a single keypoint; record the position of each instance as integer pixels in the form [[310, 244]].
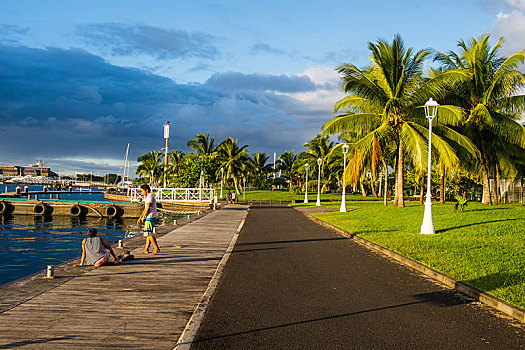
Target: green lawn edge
[[483, 246]]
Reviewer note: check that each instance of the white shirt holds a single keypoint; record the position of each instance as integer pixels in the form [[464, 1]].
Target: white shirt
[[152, 212]]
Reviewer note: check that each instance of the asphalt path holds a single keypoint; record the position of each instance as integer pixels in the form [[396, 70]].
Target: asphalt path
[[293, 284]]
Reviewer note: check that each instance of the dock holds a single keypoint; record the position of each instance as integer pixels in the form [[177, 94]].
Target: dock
[[141, 304]]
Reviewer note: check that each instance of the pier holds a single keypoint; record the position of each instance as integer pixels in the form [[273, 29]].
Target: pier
[[50, 207], [141, 304]]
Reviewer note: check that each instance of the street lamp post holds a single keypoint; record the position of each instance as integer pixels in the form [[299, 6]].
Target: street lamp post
[[167, 137], [345, 148], [427, 228], [306, 187], [318, 203], [222, 179]]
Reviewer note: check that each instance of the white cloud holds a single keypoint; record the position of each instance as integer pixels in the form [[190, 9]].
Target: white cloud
[[512, 27], [520, 4]]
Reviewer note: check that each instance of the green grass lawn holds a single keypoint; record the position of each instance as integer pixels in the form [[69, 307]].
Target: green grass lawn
[[284, 195], [483, 246]]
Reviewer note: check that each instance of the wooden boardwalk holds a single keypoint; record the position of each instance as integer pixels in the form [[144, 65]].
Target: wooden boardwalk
[[143, 304]]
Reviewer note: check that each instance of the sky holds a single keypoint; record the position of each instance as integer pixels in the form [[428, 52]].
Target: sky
[[79, 80]]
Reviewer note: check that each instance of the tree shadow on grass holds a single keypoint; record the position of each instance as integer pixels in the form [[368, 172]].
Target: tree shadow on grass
[[487, 209], [496, 280], [473, 224]]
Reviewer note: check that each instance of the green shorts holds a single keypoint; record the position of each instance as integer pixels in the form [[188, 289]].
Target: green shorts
[[149, 224]]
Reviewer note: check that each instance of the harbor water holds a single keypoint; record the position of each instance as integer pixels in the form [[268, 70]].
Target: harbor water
[[29, 243]]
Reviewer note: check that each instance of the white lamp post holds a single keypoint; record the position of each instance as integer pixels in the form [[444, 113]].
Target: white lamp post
[[427, 228], [318, 203], [222, 177], [345, 148], [167, 137], [306, 187]]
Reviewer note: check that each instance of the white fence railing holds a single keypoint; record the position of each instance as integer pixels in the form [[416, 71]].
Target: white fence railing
[[175, 194]]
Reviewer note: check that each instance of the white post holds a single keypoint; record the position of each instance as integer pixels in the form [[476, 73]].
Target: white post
[[318, 203], [274, 154], [222, 179], [306, 186], [343, 199], [167, 137], [427, 227], [244, 192]]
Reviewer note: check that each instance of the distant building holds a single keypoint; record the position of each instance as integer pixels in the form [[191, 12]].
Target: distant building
[[32, 170]]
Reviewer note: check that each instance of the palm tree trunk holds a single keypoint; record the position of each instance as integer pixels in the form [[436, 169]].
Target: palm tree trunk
[[372, 184], [399, 201], [442, 185], [486, 184], [496, 189], [385, 191], [363, 191], [422, 187]]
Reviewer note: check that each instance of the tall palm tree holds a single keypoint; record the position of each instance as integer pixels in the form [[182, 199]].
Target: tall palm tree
[[322, 147], [176, 158], [490, 96], [203, 145], [234, 160], [384, 108], [151, 166], [287, 164], [260, 168]]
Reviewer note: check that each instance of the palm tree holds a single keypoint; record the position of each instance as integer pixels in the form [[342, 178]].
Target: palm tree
[[384, 108], [176, 159], [489, 96], [203, 145], [287, 164], [321, 147], [234, 160], [151, 166], [260, 168]]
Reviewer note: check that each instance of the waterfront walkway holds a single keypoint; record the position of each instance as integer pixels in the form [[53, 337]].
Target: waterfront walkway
[[293, 284], [142, 304]]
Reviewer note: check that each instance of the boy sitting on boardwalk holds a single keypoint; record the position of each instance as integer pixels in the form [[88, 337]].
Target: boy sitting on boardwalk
[[96, 251]]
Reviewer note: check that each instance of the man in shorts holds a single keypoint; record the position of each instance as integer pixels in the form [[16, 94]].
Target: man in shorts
[[149, 218]]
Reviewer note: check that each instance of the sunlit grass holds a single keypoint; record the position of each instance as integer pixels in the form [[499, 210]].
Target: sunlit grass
[[284, 195], [483, 246]]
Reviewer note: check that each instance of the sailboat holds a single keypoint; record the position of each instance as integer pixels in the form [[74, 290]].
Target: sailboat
[[120, 193]]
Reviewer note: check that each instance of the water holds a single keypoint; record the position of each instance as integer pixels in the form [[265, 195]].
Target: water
[[69, 196], [29, 243]]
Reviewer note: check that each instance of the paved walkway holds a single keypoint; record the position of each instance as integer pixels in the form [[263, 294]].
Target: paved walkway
[[293, 284], [143, 304]]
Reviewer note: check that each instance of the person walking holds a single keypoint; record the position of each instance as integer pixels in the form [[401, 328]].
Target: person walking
[[149, 218]]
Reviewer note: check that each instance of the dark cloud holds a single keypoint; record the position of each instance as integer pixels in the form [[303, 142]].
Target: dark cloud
[[264, 49], [11, 33], [70, 106], [280, 83], [126, 40]]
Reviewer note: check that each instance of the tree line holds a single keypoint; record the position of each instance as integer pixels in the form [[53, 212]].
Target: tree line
[[476, 135]]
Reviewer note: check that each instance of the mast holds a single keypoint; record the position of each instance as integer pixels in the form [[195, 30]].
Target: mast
[[126, 165]]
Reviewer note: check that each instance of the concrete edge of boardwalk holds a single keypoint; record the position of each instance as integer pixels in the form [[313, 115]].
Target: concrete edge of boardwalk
[[462, 287], [193, 325]]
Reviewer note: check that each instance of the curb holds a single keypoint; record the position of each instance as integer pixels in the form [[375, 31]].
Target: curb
[[193, 325], [460, 286]]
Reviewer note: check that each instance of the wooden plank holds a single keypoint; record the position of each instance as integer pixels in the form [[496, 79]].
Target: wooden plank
[[142, 304]]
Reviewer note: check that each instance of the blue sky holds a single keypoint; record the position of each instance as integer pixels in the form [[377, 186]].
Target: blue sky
[[79, 80]]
